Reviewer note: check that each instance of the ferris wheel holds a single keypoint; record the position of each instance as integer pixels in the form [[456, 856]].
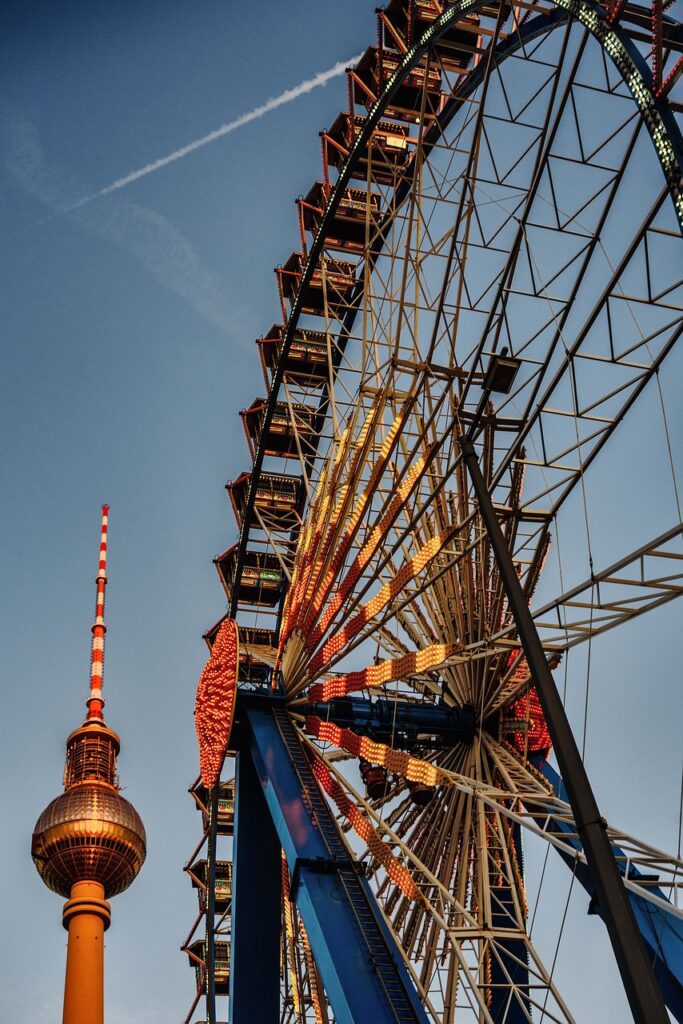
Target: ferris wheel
[[488, 287]]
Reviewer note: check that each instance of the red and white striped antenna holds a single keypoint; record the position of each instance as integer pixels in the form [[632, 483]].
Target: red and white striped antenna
[[95, 701]]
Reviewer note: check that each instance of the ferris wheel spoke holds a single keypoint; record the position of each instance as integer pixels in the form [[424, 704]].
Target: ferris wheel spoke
[[471, 993], [357, 450], [554, 473], [496, 967], [602, 613], [639, 582], [446, 506], [525, 800], [553, 816], [416, 663], [412, 477], [523, 796], [362, 626], [318, 621], [566, 479], [289, 943], [547, 131], [334, 647]]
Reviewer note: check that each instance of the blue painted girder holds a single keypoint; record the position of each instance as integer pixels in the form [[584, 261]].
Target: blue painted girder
[[361, 967], [397, 722], [661, 930], [256, 911]]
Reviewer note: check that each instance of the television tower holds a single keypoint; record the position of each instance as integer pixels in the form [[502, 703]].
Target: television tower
[[89, 843]]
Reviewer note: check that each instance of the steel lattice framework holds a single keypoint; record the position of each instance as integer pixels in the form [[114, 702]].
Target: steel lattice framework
[[492, 256]]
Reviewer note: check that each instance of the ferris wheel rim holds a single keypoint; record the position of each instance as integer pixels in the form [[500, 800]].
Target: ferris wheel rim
[[589, 13], [563, 14]]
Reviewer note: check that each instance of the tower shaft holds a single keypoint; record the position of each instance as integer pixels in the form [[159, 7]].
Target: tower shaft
[[86, 917]]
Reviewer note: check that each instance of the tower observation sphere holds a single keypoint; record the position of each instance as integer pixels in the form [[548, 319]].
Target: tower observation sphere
[[89, 843], [89, 832]]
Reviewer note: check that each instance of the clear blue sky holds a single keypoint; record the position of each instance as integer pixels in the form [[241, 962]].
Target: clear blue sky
[[128, 349]]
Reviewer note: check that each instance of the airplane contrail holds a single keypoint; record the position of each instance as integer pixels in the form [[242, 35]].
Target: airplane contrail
[[253, 115]]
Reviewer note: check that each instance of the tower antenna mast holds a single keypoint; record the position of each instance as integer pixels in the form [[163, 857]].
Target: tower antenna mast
[[96, 700]]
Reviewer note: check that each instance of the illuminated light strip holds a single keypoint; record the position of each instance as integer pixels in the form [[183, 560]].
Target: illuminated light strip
[[295, 594], [385, 672], [519, 877], [494, 797], [376, 604], [315, 588], [311, 568], [214, 707], [398, 874], [329, 480], [414, 769], [307, 591], [532, 734], [327, 539], [289, 931], [95, 699], [314, 529], [411, 768], [322, 498], [366, 553], [533, 799], [318, 590], [313, 977], [321, 593], [670, 78], [293, 598]]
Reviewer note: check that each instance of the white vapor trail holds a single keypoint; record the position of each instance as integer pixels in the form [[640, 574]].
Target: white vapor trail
[[253, 115]]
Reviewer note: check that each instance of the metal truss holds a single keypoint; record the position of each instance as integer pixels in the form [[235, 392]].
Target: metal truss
[[640, 582]]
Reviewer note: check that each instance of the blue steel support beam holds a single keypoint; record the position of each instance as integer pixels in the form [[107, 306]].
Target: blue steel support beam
[[399, 722], [662, 931], [256, 905], [360, 965]]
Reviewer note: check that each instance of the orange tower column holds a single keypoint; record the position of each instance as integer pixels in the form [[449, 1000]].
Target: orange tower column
[[86, 917]]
